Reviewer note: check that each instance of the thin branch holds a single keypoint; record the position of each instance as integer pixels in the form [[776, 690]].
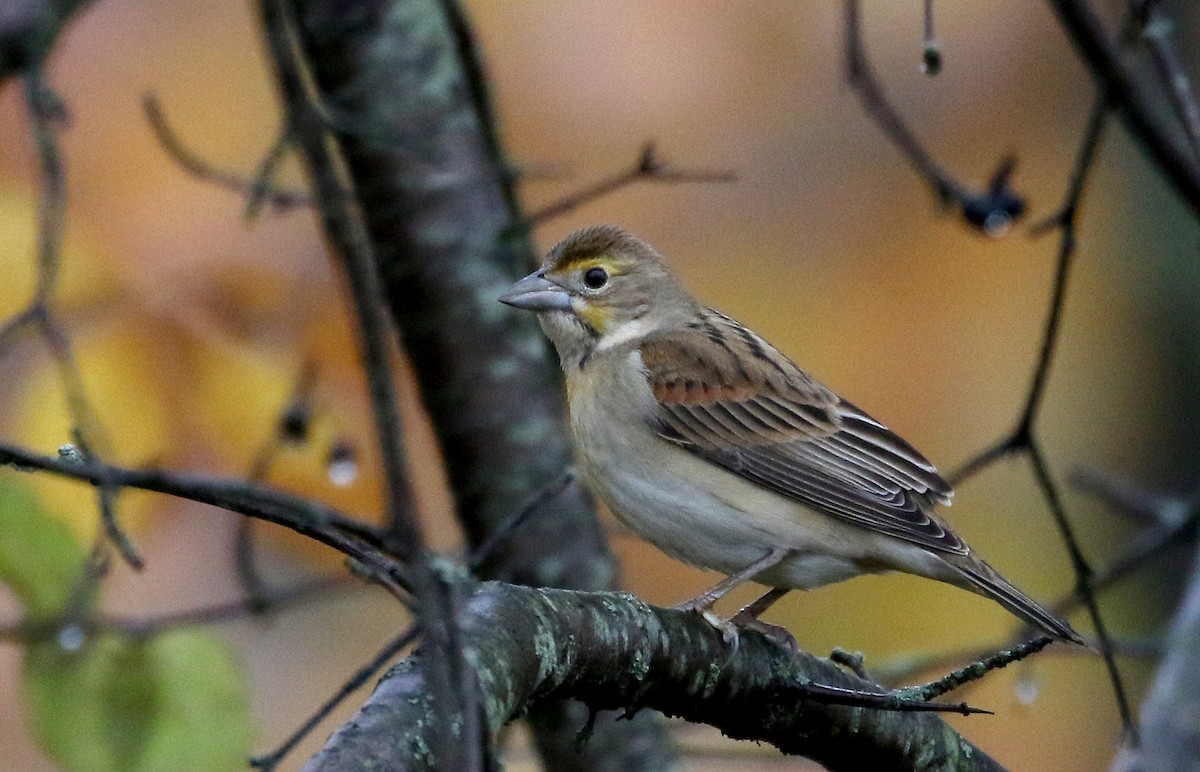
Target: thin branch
[[263, 182], [1149, 508], [33, 630], [1111, 67], [352, 247], [903, 667], [47, 115], [346, 233], [1022, 435], [257, 189], [310, 518], [648, 167], [991, 454], [863, 79], [1083, 586], [931, 51], [1175, 525], [1065, 220], [992, 211], [505, 530], [87, 586], [1022, 439], [268, 761]]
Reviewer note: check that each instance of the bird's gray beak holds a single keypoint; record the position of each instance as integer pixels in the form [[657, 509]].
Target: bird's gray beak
[[537, 293]]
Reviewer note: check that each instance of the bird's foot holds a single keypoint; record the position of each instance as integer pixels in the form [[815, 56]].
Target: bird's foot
[[774, 633], [731, 629], [728, 630], [702, 605]]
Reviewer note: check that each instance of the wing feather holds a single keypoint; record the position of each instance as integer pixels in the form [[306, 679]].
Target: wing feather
[[727, 395]]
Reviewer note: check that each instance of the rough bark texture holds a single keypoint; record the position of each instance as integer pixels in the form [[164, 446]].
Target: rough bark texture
[[434, 190], [1171, 713], [611, 650]]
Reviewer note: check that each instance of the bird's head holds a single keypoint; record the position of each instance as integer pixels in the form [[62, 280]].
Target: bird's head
[[601, 288]]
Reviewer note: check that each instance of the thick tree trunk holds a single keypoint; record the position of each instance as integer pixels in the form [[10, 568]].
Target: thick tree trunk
[[401, 84]]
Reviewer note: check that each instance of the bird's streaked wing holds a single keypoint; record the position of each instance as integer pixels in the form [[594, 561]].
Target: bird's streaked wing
[[727, 395]]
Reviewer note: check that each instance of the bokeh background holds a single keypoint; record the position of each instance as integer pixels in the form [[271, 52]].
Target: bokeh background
[[191, 325]]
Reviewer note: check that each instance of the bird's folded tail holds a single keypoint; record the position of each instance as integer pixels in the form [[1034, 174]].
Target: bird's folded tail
[[985, 580]]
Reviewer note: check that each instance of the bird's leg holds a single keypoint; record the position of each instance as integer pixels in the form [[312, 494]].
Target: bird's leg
[[751, 612], [747, 618], [702, 604], [705, 600]]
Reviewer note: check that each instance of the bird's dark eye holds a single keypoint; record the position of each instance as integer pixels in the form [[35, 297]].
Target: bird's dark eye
[[595, 278]]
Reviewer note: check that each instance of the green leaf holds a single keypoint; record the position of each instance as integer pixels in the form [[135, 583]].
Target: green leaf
[[174, 701], [40, 560]]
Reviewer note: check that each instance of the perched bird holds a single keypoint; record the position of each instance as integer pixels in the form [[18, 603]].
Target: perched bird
[[709, 443]]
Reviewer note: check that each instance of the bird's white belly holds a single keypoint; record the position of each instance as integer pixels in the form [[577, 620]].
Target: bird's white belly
[[702, 514]]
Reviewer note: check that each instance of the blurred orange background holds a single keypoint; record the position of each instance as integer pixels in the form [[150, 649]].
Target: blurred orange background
[[191, 326]]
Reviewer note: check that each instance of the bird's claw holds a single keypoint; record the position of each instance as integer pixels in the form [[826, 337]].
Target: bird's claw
[[731, 629], [775, 633], [728, 630]]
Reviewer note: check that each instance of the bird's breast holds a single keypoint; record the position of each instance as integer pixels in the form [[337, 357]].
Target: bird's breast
[[659, 490]]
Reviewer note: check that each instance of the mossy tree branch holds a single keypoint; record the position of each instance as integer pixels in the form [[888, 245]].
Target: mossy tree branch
[[611, 650]]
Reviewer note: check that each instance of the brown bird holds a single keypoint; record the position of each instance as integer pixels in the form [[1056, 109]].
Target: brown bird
[[709, 443]]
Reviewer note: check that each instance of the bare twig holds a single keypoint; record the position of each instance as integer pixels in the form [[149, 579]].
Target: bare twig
[[1171, 152], [352, 246], [257, 189], [34, 630], [1174, 524], [931, 51], [906, 666], [1023, 439], [1083, 586], [992, 211], [1149, 508], [648, 167], [47, 115], [311, 518], [268, 761], [505, 530]]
